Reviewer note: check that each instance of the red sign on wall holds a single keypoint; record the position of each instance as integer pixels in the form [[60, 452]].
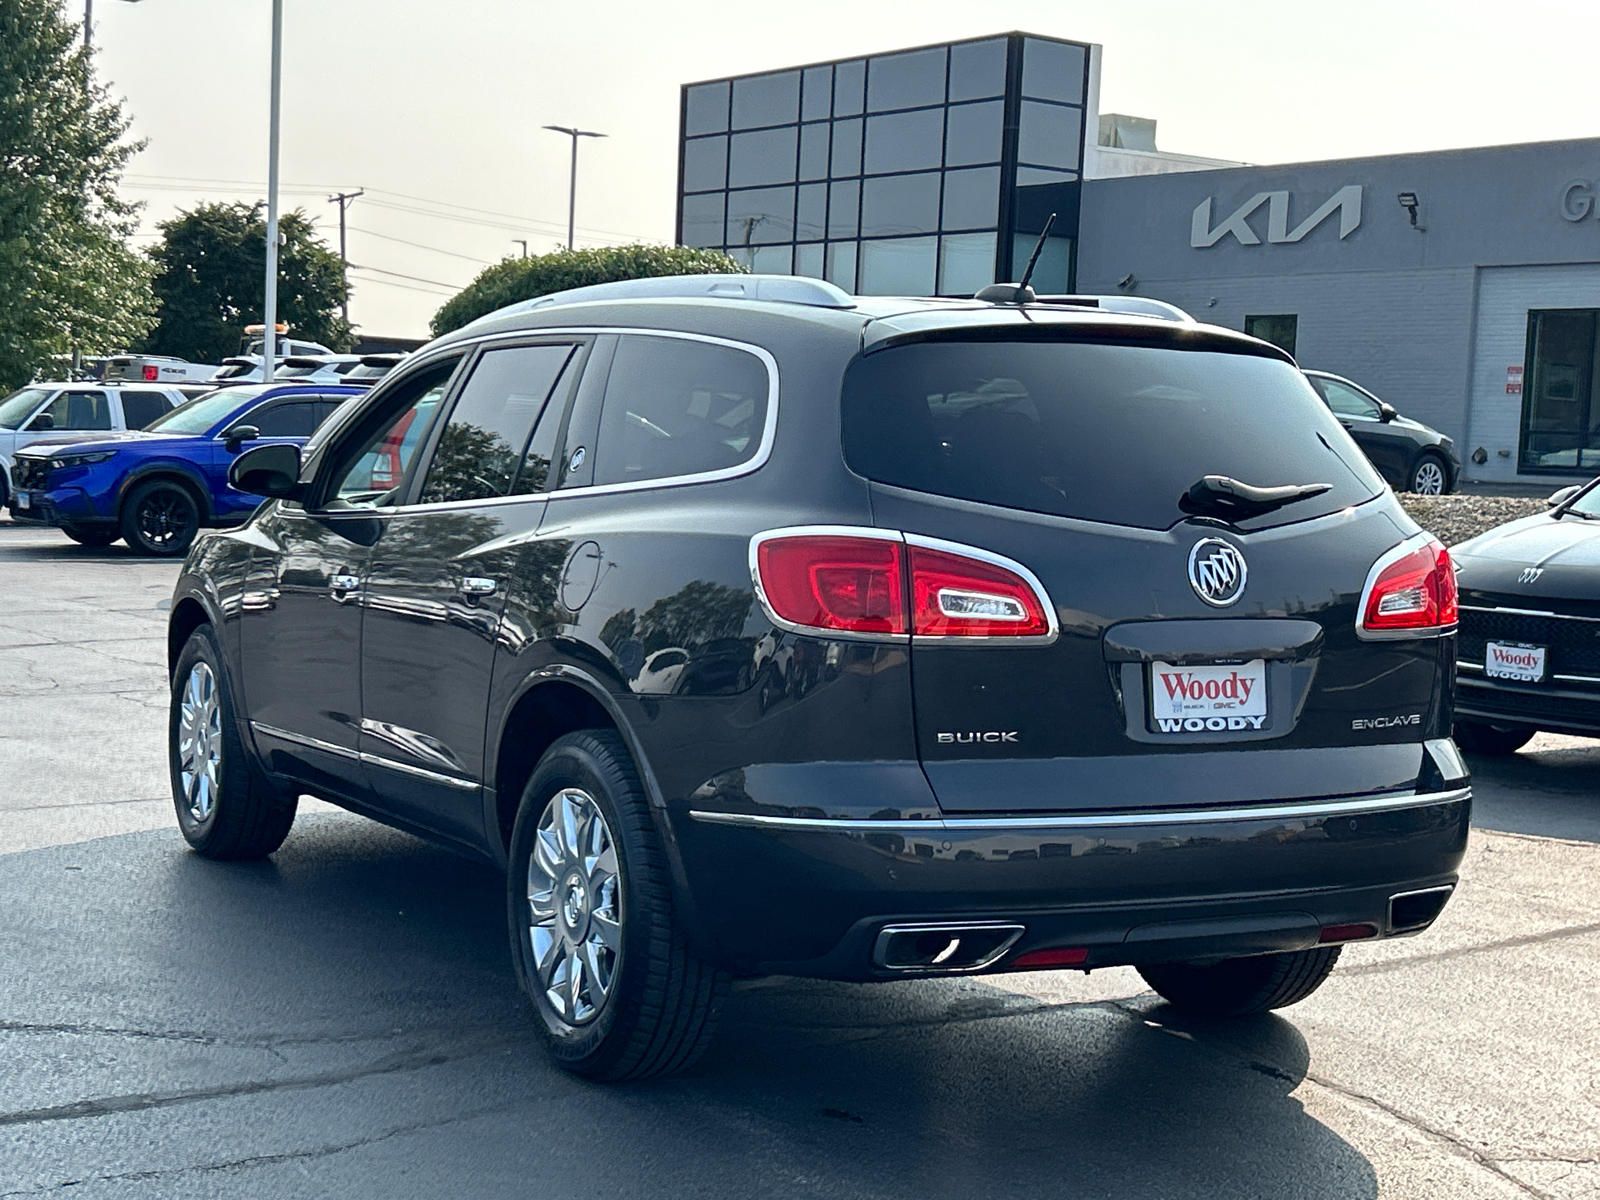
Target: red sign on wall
[[1514, 381]]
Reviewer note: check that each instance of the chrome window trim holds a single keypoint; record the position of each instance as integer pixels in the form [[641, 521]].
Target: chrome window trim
[[1394, 554], [908, 539], [1527, 612], [1311, 810]]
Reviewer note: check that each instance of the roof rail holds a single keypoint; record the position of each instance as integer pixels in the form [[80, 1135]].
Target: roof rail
[[782, 289], [1131, 305]]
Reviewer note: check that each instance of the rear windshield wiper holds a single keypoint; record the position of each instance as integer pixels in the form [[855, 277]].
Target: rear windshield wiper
[[1219, 496]]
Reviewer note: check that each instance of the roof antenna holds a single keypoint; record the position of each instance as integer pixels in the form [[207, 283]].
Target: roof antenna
[[1018, 293]]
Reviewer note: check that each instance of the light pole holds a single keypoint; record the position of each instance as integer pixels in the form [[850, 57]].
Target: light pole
[[269, 337], [572, 191], [88, 23]]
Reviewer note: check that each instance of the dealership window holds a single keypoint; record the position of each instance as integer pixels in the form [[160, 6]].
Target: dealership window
[[1560, 415], [1280, 329]]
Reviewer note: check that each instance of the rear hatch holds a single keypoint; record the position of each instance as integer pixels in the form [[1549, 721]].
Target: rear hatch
[[1204, 652]]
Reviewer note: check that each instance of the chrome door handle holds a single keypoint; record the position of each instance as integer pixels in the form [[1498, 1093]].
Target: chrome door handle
[[476, 585], [342, 585]]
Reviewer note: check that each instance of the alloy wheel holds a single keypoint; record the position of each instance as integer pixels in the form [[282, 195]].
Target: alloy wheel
[[574, 906], [163, 519], [1429, 479], [200, 741]]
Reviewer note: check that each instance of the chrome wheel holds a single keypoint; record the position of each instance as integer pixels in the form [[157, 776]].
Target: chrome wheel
[[1429, 479], [574, 906], [200, 741]]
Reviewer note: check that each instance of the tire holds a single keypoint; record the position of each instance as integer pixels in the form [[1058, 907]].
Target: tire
[[639, 1002], [160, 518], [1430, 475], [226, 807], [1480, 737], [91, 537], [1237, 987]]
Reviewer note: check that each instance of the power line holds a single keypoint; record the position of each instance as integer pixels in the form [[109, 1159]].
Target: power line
[[420, 246], [406, 287], [414, 278]]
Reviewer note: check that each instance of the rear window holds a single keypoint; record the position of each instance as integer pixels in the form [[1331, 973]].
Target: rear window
[[1111, 433]]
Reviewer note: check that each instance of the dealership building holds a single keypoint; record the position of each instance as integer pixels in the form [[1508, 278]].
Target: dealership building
[[1461, 286]]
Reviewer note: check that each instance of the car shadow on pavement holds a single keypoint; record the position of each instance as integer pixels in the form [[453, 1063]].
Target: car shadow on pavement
[[1550, 789], [356, 943]]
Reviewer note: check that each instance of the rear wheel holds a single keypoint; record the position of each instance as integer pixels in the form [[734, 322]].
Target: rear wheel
[[1480, 737], [1430, 476], [226, 807], [620, 995], [91, 537], [1237, 987], [161, 518]]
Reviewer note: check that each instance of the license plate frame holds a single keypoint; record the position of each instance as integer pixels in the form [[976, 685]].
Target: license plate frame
[[1508, 670], [1207, 697]]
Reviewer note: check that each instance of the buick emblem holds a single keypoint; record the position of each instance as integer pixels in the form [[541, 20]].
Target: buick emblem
[[1217, 572]]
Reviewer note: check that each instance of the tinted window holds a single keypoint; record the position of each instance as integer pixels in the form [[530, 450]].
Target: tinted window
[[899, 266], [702, 219], [766, 100], [481, 450], [763, 157], [972, 198], [811, 217], [1051, 71], [849, 88], [286, 418], [77, 410], [906, 80], [966, 263], [813, 152], [765, 215], [905, 141], [373, 460], [900, 204], [1047, 135], [705, 164], [1105, 433], [846, 148], [844, 201], [706, 110], [140, 408], [816, 97], [975, 134], [978, 69], [675, 407]]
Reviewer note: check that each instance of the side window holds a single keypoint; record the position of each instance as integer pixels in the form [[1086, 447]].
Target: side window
[[484, 448], [285, 418], [77, 410], [677, 407], [1346, 401], [140, 408], [375, 453]]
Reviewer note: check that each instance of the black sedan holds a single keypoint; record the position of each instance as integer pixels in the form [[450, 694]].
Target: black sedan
[[1407, 453], [1529, 644]]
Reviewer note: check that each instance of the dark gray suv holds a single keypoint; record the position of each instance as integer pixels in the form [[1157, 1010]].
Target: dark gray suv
[[754, 628]]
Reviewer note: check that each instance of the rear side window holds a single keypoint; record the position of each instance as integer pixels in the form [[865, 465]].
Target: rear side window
[[483, 450], [676, 407], [140, 408], [1112, 433]]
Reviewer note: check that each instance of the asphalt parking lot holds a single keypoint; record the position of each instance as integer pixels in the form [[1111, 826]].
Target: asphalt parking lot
[[342, 1020]]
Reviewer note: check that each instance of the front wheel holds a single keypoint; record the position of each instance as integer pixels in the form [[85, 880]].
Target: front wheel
[[1480, 737], [1430, 477], [226, 807], [620, 994], [160, 518], [1237, 987]]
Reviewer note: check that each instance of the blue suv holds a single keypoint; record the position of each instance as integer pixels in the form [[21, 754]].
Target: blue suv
[[155, 488]]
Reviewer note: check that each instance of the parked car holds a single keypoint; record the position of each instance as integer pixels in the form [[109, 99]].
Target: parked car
[[1407, 453], [317, 368], [43, 410], [156, 368], [1530, 626], [959, 692], [373, 367], [155, 489]]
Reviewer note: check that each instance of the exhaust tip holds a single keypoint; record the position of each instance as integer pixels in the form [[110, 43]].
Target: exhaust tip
[[1411, 911], [945, 947]]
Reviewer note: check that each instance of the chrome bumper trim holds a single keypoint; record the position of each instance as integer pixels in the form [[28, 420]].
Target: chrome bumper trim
[[1307, 811]]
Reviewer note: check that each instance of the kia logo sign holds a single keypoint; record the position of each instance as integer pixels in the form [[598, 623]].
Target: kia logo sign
[[1217, 572], [1346, 202]]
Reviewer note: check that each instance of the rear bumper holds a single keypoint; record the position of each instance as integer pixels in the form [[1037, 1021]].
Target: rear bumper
[[810, 896], [1552, 707]]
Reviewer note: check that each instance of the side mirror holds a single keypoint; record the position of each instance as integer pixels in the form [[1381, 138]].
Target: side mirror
[[268, 471], [238, 435], [41, 423], [1387, 412], [1562, 495]]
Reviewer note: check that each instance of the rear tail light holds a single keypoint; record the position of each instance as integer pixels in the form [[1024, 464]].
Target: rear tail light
[[150, 374], [875, 583], [1410, 590]]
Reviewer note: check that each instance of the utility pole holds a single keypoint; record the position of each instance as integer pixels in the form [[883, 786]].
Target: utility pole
[[572, 190], [269, 342], [343, 201], [523, 242], [88, 23]]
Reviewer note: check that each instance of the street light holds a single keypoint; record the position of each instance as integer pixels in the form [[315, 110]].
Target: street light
[[572, 191], [88, 22], [269, 315]]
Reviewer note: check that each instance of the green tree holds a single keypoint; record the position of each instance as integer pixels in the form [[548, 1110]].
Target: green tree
[[210, 281], [68, 279], [515, 279]]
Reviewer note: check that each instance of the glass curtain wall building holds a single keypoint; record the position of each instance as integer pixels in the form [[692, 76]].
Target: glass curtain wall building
[[921, 172]]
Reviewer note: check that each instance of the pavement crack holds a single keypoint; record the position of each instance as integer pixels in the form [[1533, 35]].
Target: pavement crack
[[1511, 943], [164, 1035]]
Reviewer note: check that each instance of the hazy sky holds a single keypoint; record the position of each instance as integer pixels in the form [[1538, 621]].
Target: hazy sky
[[435, 106]]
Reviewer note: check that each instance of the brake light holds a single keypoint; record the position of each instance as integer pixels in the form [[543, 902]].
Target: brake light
[[834, 581], [870, 582], [150, 373], [954, 595], [1411, 588]]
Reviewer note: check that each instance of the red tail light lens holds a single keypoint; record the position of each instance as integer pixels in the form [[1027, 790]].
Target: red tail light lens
[[953, 595], [834, 581], [1413, 587], [150, 374]]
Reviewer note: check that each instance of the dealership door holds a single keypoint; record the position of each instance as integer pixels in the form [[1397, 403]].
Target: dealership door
[[1560, 412]]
